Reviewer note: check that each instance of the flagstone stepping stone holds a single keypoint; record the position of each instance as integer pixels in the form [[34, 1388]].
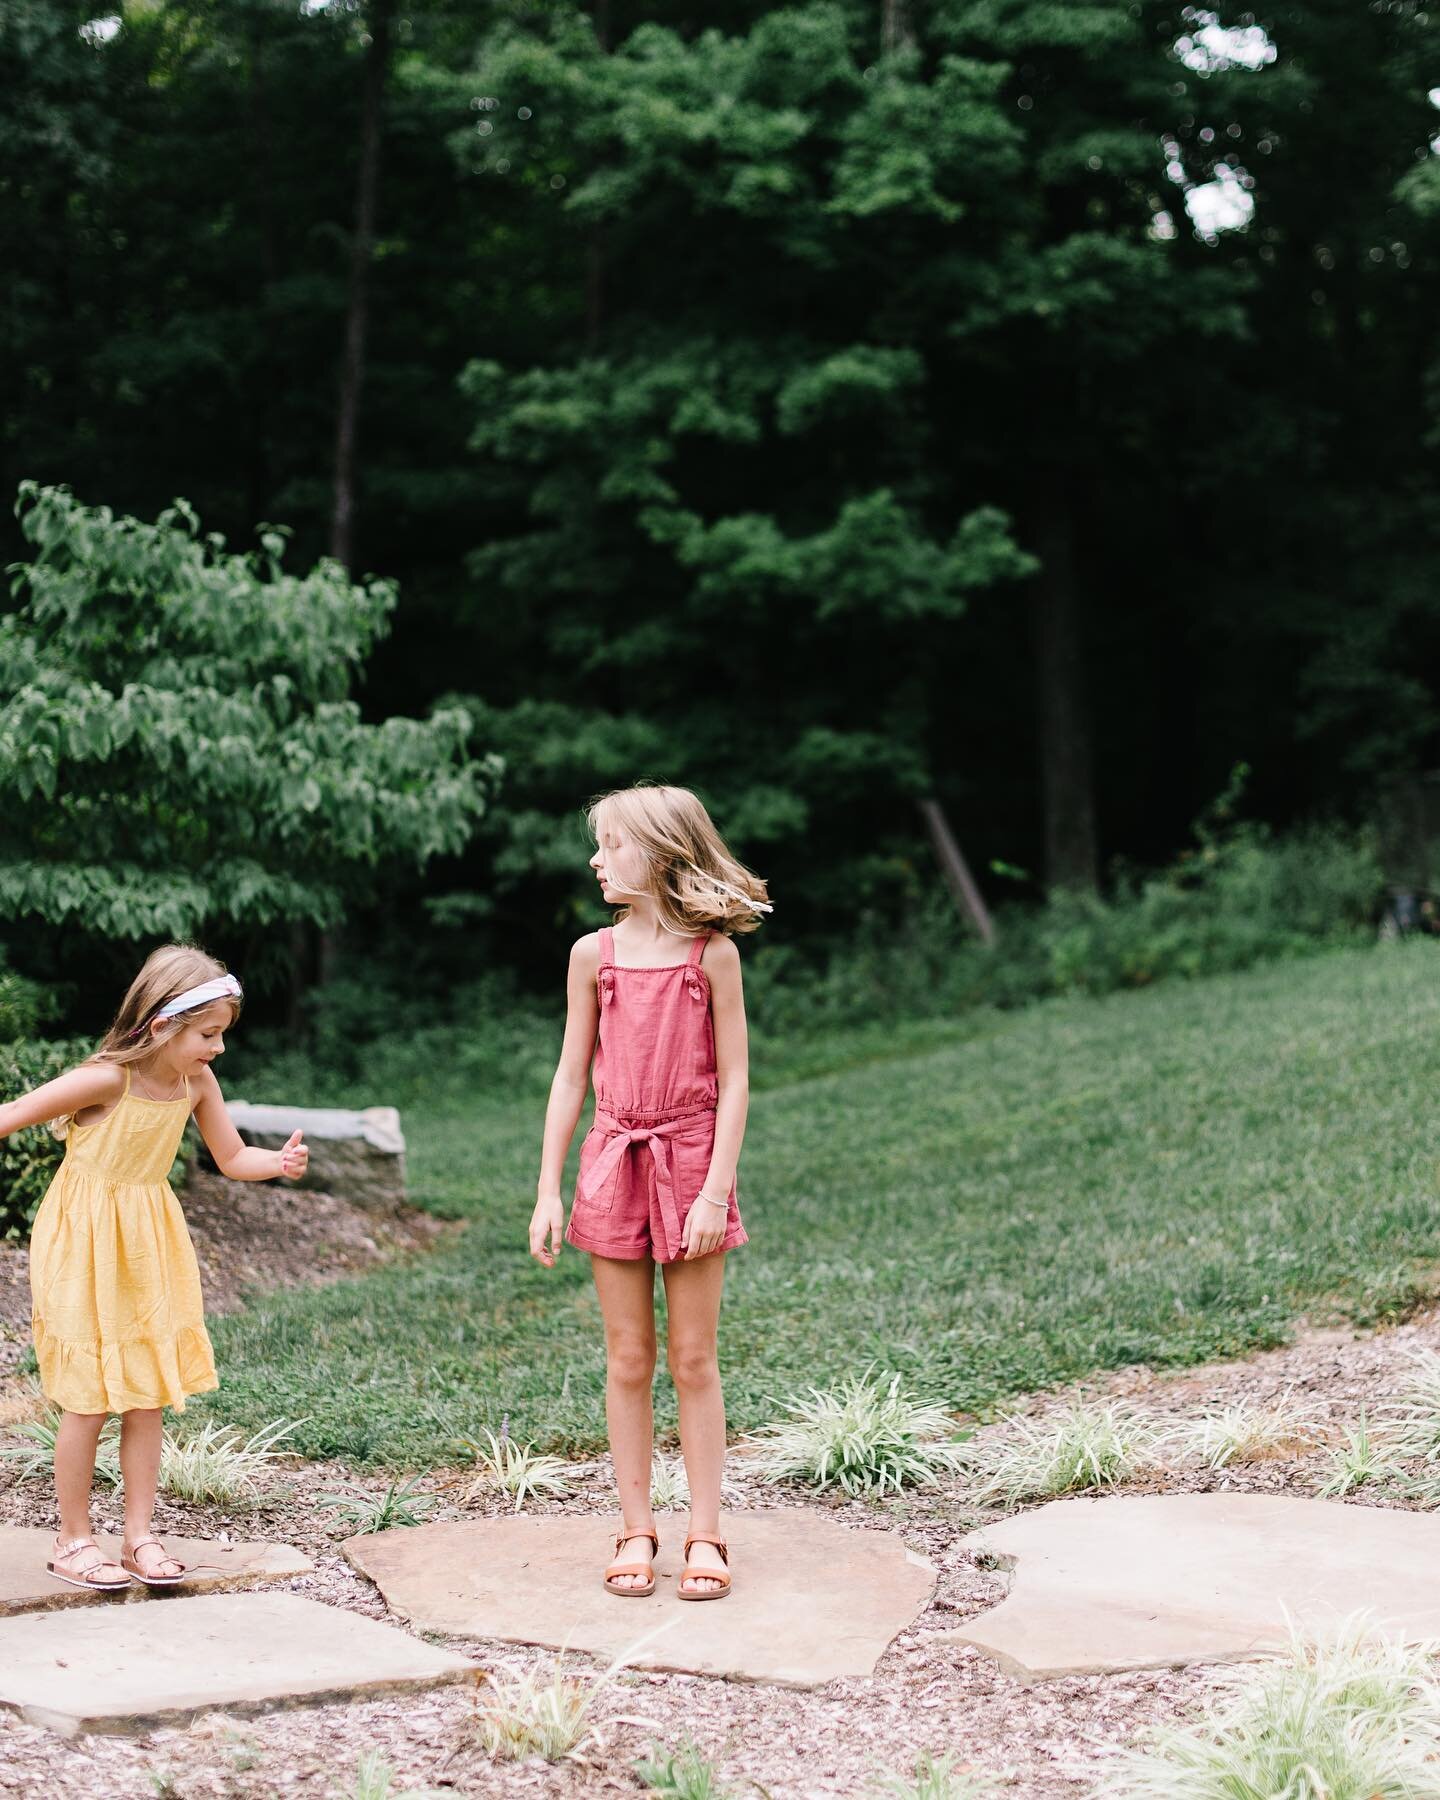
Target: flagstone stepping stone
[[131, 1668], [1160, 1580], [812, 1600], [26, 1587]]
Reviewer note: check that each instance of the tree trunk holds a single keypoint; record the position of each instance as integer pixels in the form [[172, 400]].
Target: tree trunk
[[896, 29], [1066, 769], [595, 236], [969, 902], [261, 385], [352, 366]]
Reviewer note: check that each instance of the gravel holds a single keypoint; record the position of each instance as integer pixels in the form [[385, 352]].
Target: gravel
[[1043, 1742]]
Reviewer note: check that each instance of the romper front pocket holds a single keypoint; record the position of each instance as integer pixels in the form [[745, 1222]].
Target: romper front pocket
[[603, 1201], [690, 1155]]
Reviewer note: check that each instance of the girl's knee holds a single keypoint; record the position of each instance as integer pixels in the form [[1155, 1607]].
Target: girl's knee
[[630, 1360], [693, 1365]]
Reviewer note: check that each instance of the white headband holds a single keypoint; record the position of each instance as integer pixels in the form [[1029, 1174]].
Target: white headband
[[223, 987]]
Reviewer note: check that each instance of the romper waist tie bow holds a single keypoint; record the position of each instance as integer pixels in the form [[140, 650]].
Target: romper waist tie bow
[[626, 1133]]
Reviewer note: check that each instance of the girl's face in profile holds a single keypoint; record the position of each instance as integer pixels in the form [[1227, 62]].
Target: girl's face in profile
[[196, 1045], [619, 866]]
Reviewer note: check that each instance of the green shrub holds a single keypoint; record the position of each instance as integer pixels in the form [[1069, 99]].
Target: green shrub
[[29, 1158], [1241, 895], [1238, 898]]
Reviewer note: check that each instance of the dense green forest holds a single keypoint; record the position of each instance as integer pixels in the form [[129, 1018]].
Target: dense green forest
[[1029, 407]]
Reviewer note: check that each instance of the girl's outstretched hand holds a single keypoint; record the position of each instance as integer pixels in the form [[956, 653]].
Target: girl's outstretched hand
[[294, 1157], [547, 1221], [704, 1228]]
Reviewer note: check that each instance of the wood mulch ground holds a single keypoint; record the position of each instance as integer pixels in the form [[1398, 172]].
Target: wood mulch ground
[[1051, 1741]]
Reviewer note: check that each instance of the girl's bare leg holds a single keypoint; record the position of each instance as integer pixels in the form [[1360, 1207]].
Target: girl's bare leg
[[626, 1292], [75, 1444], [141, 1432], [692, 1298]]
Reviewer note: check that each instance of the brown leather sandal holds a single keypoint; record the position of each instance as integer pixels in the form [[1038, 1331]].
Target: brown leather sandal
[[131, 1562], [87, 1575], [645, 1568], [691, 1573]]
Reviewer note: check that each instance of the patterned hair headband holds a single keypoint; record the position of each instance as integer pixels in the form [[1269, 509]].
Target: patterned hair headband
[[223, 987]]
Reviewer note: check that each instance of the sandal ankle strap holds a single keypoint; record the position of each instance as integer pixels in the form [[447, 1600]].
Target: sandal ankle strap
[[706, 1537], [624, 1537]]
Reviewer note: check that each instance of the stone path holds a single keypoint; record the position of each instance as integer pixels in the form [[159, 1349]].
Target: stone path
[[1157, 1581], [26, 1587], [127, 1668], [812, 1601]]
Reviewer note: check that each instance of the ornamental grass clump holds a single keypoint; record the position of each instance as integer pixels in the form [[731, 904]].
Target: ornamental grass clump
[[28, 1449], [683, 1774], [1083, 1448], [375, 1780], [1244, 1432], [402, 1504], [513, 1468], [1355, 1716], [216, 1463], [937, 1778], [538, 1713], [1366, 1458], [866, 1436], [1412, 1420], [669, 1486]]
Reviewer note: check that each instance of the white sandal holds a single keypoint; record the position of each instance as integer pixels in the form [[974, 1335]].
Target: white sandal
[[86, 1577]]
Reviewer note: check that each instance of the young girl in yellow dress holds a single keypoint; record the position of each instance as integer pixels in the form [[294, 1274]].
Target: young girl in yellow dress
[[118, 1321]]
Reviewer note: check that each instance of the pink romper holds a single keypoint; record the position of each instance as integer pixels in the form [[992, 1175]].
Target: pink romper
[[647, 1155]]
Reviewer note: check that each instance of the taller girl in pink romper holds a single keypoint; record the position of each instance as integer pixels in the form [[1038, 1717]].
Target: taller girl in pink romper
[[648, 1152], [656, 1011]]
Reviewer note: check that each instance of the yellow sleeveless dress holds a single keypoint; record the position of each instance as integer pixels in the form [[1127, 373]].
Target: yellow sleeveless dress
[[117, 1313]]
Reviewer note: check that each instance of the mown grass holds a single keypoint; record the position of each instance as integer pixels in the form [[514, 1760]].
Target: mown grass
[[988, 1206]]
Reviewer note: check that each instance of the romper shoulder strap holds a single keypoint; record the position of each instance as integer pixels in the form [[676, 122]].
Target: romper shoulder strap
[[697, 948], [607, 944]]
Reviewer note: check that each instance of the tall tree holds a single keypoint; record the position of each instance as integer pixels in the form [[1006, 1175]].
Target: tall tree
[[378, 20]]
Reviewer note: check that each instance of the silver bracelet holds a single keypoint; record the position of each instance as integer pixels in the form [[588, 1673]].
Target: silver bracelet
[[709, 1202]]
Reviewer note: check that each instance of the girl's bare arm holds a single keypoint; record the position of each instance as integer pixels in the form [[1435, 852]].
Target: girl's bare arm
[[92, 1084], [572, 1074], [233, 1156], [567, 1095], [721, 962]]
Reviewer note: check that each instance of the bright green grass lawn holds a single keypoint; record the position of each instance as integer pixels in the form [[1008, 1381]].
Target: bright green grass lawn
[[989, 1206]]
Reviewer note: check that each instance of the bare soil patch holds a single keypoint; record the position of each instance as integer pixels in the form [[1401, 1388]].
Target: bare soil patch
[[1048, 1742]]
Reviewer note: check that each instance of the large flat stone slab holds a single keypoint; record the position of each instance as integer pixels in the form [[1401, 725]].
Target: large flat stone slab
[[358, 1154], [1160, 1580], [812, 1601], [131, 1668], [26, 1587]]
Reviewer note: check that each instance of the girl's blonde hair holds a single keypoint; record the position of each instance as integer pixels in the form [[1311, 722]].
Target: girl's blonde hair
[[695, 882], [166, 972]]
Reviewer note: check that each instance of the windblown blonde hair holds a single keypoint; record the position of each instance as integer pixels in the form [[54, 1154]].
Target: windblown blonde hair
[[165, 973], [696, 884]]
